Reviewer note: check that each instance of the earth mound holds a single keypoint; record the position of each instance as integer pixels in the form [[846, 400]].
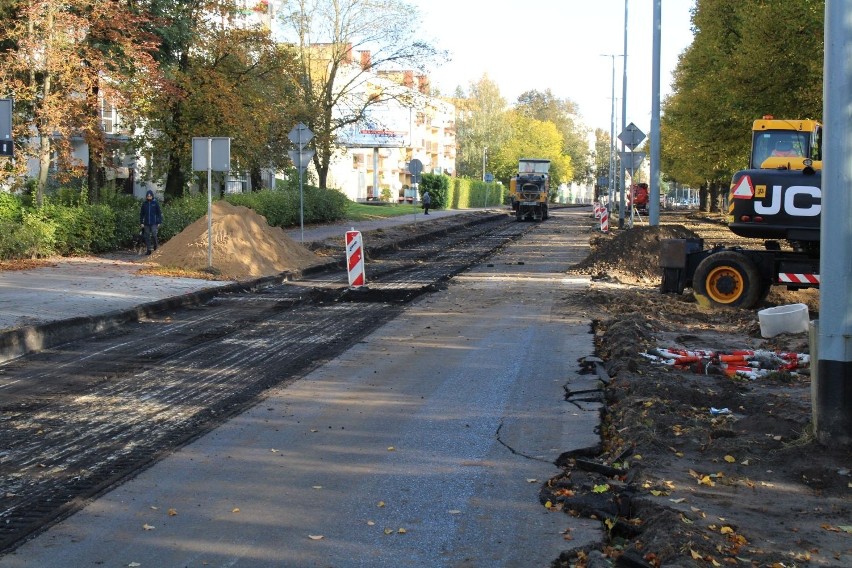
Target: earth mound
[[630, 256], [244, 246]]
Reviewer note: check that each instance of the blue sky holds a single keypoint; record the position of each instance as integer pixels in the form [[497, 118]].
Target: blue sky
[[557, 44]]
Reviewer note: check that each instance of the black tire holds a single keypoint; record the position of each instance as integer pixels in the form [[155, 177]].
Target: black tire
[[728, 279]]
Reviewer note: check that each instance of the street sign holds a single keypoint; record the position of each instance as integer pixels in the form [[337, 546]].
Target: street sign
[[489, 177], [7, 148], [415, 166], [631, 136], [300, 135], [218, 159], [632, 160], [301, 158]]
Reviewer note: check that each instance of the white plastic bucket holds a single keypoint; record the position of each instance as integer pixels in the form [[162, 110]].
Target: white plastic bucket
[[792, 318]]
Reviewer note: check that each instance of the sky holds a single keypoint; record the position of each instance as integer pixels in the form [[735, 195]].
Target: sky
[[562, 45]]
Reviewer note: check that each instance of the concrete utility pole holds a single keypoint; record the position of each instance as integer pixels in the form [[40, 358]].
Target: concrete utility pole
[[831, 386], [611, 184], [654, 187], [623, 182]]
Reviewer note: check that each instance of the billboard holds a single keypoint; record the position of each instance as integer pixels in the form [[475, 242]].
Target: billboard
[[383, 126]]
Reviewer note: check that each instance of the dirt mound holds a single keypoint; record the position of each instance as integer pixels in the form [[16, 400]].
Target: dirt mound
[[630, 256], [244, 246]]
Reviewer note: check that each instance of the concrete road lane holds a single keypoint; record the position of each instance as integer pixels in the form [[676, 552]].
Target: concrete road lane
[[424, 445]]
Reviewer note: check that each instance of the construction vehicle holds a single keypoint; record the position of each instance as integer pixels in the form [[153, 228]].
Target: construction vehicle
[[777, 199], [529, 190], [639, 196]]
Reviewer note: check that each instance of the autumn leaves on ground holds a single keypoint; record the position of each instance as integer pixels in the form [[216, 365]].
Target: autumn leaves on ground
[[699, 469]]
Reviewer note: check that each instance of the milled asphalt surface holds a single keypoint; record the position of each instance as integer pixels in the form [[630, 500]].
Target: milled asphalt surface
[[73, 297], [424, 445]]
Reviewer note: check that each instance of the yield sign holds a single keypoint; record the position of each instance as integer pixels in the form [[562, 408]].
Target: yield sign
[[744, 189]]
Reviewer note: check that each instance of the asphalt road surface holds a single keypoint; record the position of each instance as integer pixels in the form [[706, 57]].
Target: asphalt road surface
[[425, 444]]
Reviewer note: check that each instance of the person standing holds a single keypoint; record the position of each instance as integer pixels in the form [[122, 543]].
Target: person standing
[[427, 201], [150, 217]]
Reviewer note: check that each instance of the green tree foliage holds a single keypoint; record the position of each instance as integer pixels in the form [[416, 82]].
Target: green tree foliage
[[563, 113], [749, 58], [438, 187], [225, 80], [482, 123], [531, 138]]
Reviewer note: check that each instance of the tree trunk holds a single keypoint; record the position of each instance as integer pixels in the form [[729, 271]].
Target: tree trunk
[[703, 195], [715, 192], [44, 166], [256, 179]]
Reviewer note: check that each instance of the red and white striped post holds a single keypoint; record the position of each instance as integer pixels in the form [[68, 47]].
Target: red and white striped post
[[597, 210], [355, 258], [604, 220]]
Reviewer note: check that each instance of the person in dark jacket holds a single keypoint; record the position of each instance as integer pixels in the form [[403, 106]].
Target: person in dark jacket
[[427, 201], [150, 217]]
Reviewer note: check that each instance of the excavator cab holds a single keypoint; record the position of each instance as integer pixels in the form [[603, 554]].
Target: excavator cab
[[786, 144]]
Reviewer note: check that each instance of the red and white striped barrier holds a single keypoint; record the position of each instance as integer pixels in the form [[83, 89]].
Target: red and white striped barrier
[[597, 210], [355, 258], [604, 220], [798, 278]]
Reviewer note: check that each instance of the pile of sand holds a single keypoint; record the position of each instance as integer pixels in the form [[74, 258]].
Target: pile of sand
[[244, 246]]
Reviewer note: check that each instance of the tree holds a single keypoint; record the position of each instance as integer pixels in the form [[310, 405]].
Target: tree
[[563, 113], [225, 79], [733, 73], [482, 122], [337, 89], [62, 57], [603, 150], [531, 138]]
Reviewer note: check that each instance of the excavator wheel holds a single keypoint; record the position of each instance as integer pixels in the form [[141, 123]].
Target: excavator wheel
[[728, 279]]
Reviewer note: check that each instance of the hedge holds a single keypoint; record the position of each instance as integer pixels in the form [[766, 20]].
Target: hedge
[[65, 226]]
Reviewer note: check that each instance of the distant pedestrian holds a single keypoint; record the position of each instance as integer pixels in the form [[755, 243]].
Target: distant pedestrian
[[150, 217], [427, 201]]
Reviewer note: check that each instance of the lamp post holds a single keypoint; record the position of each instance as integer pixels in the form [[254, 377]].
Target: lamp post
[[484, 161], [623, 121], [611, 185]]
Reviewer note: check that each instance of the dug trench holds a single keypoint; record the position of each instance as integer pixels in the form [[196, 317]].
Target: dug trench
[[697, 468]]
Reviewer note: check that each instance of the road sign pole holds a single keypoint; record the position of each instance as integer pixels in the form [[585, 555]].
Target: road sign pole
[[209, 203], [301, 189]]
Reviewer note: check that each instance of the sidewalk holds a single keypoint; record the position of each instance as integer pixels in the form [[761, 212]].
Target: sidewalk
[[74, 297]]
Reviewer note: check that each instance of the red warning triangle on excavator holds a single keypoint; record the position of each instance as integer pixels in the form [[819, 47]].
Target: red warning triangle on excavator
[[744, 189]]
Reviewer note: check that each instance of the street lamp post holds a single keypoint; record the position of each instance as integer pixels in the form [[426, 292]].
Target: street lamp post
[[484, 161]]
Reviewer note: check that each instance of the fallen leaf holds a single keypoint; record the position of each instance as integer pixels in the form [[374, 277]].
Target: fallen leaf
[[695, 555], [548, 505], [846, 528], [380, 504], [315, 536], [148, 527], [317, 486], [454, 512], [726, 530], [401, 531], [274, 451], [706, 481], [680, 500], [532, 480], [730, 459], [235, 510], [391, 449], [603, 488], [172, 512], [134, 565], [388, 531]]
